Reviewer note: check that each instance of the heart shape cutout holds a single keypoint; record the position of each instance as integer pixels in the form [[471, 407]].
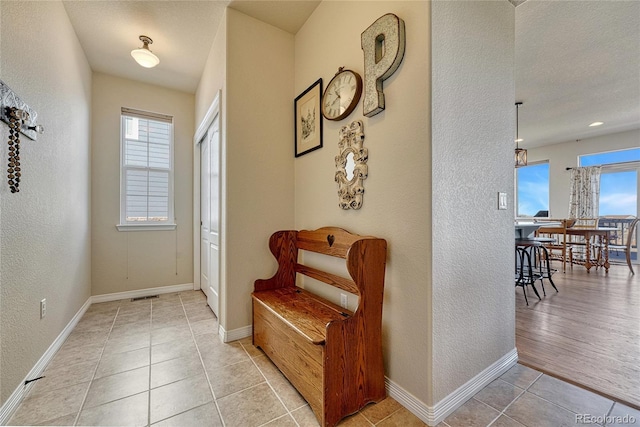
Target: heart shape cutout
[[331, 238]]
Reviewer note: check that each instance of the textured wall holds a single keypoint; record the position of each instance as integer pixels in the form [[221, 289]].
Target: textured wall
[[45, 228], [213, 80], [259, 154], [252, 64], [473, 128], [563, 155], [125, 261], [397, 192]]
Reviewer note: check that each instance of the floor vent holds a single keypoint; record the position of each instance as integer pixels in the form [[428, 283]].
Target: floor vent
[[147, 297]]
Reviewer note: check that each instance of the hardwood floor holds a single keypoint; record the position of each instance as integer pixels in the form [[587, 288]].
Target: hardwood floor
[[588, 333]]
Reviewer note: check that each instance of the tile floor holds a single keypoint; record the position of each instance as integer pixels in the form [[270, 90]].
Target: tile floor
[[160, 362]]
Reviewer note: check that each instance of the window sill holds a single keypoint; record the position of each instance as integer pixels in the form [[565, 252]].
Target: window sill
[[146, 227]]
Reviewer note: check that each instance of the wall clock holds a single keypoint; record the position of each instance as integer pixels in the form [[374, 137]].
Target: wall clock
[[341, 95]]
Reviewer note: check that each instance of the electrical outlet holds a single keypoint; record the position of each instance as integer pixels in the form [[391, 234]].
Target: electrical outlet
[[343, 300], [43, 308]]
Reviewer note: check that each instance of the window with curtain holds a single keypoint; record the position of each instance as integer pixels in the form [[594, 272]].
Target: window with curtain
[[146, 171], [618, 182]]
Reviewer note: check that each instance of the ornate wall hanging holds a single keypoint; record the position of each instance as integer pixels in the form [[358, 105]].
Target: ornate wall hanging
[[351, 165], [21, 120], [383, 45]]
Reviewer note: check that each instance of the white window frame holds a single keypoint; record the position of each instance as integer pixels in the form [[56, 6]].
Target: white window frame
[[125, 225]]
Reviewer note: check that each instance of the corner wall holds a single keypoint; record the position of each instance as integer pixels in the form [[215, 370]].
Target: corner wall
[[397, 195], [259, 154], [251, 63], [45, 229], [473, 126], [132, 260]]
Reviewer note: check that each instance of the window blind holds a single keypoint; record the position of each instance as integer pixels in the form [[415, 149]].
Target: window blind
[[146, 167]]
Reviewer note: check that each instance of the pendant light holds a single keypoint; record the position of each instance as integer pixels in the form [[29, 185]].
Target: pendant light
[[521, 153], [143, 55]]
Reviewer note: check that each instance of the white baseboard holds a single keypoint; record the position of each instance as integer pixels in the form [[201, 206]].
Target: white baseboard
[[12, 403], [434, 415], [142, 293], [235, 334]]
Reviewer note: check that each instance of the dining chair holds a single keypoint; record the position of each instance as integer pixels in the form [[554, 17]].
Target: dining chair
[[558, 247], [578, 244], [630, 239]]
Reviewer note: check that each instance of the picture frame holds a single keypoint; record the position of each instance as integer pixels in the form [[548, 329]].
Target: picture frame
[[308, 119]]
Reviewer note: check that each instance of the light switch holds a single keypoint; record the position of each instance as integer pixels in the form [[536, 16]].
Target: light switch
[[502, 201]]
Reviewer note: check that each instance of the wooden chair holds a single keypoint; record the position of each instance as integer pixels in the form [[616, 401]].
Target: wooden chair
[[577, 245], [626, 248], [558, 249]]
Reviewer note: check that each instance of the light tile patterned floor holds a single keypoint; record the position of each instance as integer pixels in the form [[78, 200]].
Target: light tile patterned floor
[[160, 362]]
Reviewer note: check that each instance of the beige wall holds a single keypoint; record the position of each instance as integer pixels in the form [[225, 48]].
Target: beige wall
[[45, 228], [257, 147], [125, 261], [212, 83], [398, 189], [563, 155], [473, 309]]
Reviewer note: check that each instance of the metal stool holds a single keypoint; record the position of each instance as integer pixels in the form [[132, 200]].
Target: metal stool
[[540, 258], [525, 274]]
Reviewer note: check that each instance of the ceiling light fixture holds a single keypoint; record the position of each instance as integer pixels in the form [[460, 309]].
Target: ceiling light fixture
[[594, 124], [521, 153], [143, 55]]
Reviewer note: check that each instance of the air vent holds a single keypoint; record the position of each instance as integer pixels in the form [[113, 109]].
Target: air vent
[[147, 297]]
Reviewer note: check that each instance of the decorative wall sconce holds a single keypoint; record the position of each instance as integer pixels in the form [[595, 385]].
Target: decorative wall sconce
[[21, 120], [521, 153], [143, 55], [351, 165]]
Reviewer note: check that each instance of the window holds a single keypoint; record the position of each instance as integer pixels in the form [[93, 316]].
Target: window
[[146, 171], [532, 190], [618, 181], [610, 157]]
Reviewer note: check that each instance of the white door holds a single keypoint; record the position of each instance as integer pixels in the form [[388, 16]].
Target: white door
[[210, 215]]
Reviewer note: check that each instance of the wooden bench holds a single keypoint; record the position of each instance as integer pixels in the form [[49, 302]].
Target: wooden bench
[[332, 356]]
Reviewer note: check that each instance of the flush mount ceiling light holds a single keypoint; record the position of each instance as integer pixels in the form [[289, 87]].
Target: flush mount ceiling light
[[521, 153], [143, 55], [594, 124]]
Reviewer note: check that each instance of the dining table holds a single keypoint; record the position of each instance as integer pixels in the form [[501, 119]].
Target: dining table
[[603, 233]]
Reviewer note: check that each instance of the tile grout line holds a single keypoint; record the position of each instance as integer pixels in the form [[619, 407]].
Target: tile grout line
[[271, 387], [383, 419], [150, 360], [560, 406], [491, 407], [524, 390], [206, 374], [86, 393]]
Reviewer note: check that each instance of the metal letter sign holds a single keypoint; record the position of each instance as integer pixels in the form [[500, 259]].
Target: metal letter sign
[[383, 45]]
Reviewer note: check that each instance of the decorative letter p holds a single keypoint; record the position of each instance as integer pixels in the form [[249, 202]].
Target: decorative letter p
[[383, 45]]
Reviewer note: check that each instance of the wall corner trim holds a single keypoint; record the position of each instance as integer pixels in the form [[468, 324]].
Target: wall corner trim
[[436, 414], [7, 410], [235, 334]]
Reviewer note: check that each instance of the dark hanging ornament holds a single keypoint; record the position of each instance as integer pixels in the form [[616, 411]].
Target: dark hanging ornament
[[16, 120]]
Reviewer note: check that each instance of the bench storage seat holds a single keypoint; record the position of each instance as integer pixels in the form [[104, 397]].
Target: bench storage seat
[[332, 356]]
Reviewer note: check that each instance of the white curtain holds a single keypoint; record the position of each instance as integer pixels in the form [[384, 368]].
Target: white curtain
[[584, 198]]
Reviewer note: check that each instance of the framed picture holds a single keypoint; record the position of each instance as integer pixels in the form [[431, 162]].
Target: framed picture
[[308, 119]]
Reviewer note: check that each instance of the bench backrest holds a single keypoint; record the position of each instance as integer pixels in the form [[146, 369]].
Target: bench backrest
[[365, 257]]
